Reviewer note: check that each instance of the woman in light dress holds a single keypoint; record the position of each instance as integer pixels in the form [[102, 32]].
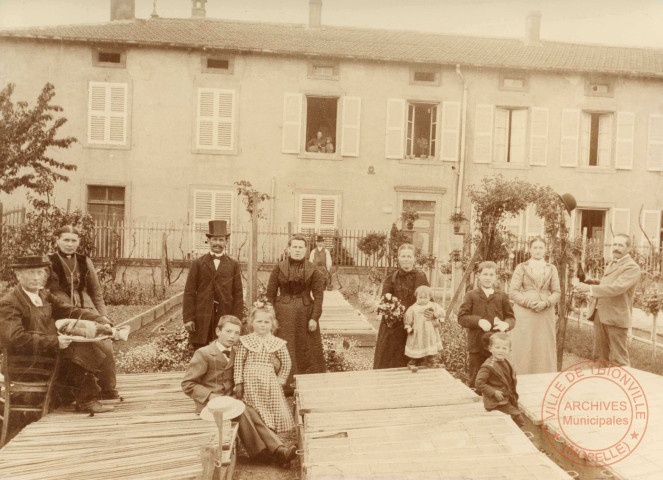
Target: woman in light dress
[[535, 291]]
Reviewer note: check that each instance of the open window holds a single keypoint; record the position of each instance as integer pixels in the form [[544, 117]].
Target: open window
[[596, 139], [590, 222], [510, 135], [421, 130], [321, 119], [330, 125]]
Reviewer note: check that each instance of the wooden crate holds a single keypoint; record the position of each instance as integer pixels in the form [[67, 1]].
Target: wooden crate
[[378, 389], [153, 434]]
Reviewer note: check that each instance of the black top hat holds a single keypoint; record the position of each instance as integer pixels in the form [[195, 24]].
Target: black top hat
[[319, 238], [218, 228], [568, 201], [31, 261]]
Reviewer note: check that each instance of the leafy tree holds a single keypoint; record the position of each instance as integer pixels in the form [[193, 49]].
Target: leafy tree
[[26, 135], [36, 235]]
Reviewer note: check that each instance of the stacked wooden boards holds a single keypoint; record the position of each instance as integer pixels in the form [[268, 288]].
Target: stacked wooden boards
[[398, 424], [644, 462], [340, 318], [153, 434]]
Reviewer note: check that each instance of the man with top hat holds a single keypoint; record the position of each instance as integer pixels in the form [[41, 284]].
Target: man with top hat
[[27, 327], [213, 288]]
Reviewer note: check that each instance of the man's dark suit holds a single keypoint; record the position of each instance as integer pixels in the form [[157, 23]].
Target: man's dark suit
[[206, 285]]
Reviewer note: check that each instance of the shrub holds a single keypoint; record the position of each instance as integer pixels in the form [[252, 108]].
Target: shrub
[[168, 353], [373, 245], [454, 349], [342, 355], [132, 294]]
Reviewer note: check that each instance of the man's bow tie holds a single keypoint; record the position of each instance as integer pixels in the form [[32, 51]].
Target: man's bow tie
[[226, 352], [217, 256]]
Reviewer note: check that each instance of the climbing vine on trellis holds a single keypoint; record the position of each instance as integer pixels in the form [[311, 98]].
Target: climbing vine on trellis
[[497, 198]]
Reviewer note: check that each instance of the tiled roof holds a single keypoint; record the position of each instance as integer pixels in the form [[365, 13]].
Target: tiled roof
[[360, 43]]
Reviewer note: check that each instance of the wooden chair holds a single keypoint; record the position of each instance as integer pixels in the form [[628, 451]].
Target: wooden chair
[[27, 386]]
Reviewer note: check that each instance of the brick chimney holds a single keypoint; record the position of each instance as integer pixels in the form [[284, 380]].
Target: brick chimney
[[314, 13], [533, 28], [122, 10], [198, 8]]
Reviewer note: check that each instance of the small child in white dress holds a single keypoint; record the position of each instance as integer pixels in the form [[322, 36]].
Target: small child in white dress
[[422, 324], [255, 379]]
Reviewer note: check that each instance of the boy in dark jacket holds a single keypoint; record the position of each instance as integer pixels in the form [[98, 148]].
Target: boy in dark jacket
[[484, 311], [496, 379]]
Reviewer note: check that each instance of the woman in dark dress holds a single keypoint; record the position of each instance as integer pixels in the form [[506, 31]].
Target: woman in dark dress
[[390, 346], [296, 289]]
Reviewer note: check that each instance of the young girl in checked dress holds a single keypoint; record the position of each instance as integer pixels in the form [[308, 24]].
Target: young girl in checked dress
[[255, 369]]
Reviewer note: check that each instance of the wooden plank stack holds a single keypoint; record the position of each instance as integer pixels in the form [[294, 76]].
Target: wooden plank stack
[[645, 461], [340, 318], [153, 434], [398, 424]]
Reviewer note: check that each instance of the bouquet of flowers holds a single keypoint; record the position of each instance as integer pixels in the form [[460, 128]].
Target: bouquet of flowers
[[391, 310]]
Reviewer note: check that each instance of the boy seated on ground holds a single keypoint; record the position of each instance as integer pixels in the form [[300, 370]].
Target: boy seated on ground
[[485, 310], [496, 379], [210, 374]]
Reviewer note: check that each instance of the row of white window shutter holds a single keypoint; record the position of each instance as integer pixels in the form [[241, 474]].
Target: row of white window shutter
[[217, 112], [528, 224], [316, 213], [574, 128]]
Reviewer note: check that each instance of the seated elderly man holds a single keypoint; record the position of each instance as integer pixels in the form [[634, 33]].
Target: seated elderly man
[[27, 326]]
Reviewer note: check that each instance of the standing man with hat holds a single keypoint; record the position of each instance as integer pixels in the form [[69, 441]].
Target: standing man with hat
[[27, 327], [321, 258], [213, 288]]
